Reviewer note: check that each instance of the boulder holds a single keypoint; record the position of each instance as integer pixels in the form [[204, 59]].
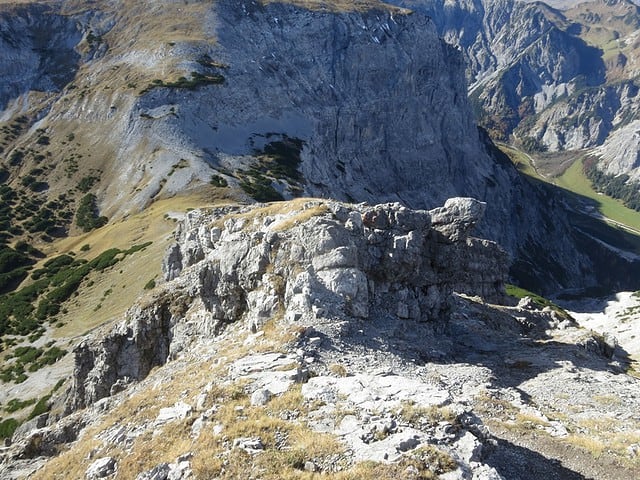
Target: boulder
[[101, 468]]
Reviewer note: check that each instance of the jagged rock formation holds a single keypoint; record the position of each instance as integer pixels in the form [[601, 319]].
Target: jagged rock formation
[[311, 262], [561, 79]]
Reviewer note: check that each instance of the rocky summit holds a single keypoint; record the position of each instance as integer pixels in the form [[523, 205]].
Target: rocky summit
[[310, 262], [317, 338]]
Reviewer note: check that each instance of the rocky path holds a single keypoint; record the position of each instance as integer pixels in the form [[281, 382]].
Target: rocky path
[[618, 316]]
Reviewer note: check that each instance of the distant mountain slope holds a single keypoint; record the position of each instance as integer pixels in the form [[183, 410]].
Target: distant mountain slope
[[361, 102], [556, 79]]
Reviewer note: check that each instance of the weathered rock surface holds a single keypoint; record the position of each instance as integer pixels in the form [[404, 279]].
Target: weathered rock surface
[[310, 261], [368, 105], [392, 363], [101, 468]]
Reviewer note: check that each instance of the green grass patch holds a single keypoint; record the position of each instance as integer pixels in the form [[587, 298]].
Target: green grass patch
[[15, 404], [87, 217], [8, 427], [41, 407], [24, 312], [31, 359], [196, 80], [542, 302], [521, 161], [574, 180]]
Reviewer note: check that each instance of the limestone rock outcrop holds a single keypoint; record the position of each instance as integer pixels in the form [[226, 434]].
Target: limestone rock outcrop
[[308, 261]]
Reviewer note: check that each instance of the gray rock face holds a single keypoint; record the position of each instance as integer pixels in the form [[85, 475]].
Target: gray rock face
[[620, 154], [381, 120], [457, 217], [590, 120], [101, 468], [535, 71], [311, 261], [38, 50]]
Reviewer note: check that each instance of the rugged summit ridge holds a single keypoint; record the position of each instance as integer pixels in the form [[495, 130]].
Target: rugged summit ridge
[[334, 322], [309, 261]]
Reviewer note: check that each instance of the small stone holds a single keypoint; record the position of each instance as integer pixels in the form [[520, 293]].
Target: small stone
[[292, 317], [249, 444], [411, 472], [197, 426], [101, 468], [159, 472], [201, 401], [185, 457], [260, 397], [179, 411], [310, 466], [407, 444]]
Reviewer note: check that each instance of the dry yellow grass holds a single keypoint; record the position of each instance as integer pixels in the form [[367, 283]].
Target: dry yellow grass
[[415, 414], [288, 441], [124, 282], [607, 399], [151, 449], [338, 370], [426, 462], [66, 465], [300, 217], [306, 208]]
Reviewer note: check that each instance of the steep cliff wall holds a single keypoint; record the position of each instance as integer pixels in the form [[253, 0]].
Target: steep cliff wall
[[566, 79], [378, 103], [38, 52]]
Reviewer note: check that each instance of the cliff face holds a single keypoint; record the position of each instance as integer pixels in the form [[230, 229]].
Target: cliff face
[[564, 78], [377, 99], [38, 53], [375, 105]]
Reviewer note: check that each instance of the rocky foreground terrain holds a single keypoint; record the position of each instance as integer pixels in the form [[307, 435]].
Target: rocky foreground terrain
[[305, 338], [314, 339]]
